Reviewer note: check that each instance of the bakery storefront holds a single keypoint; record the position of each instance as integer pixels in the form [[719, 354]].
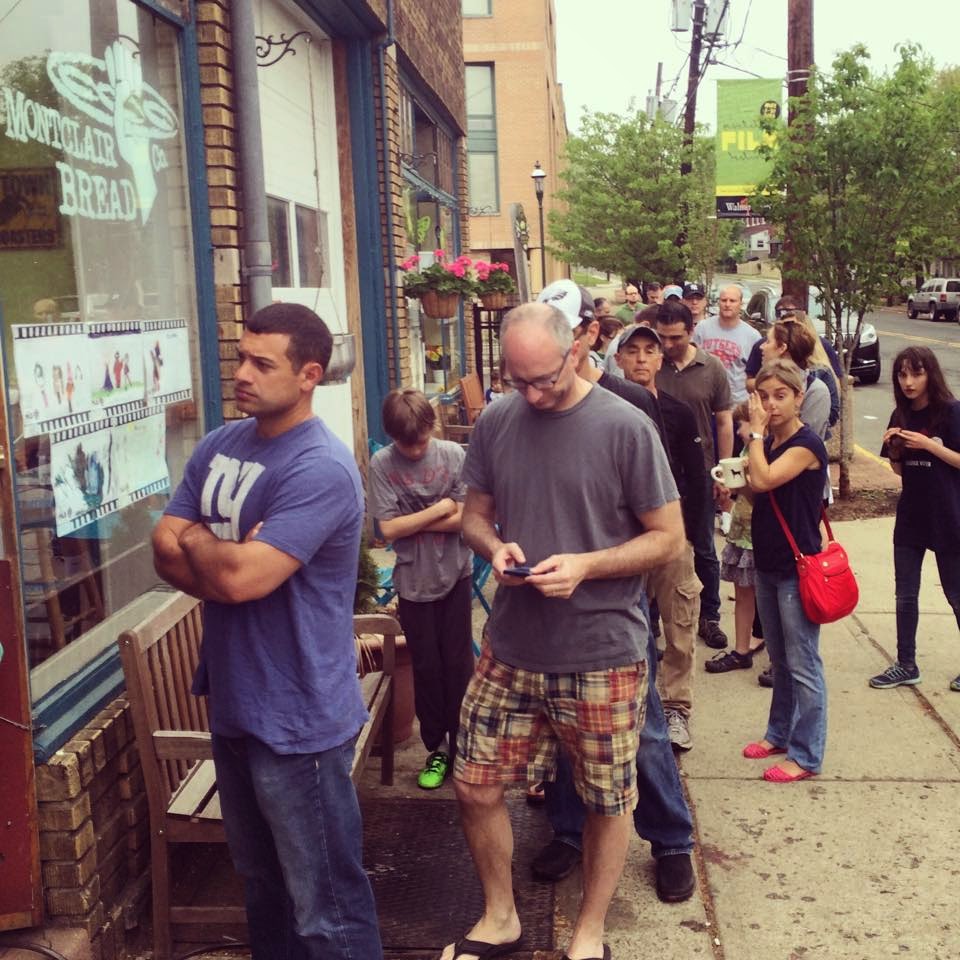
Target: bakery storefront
[[104, 396]]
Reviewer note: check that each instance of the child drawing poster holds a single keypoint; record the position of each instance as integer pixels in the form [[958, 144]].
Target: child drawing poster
[[116, 358], [166, 345], [53, 376], [86, 484], [142, 456]]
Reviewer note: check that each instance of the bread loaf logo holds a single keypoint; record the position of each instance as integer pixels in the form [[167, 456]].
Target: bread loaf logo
[[110, 165]]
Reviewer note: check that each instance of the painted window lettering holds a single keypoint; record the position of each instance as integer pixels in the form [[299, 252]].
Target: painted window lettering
[[112, 93]]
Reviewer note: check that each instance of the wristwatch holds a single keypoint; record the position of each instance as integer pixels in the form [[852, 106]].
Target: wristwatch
[[755, 436]]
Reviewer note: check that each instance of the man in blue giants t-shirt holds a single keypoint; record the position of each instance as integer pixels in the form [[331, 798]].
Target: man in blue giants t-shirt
[[266, 528]]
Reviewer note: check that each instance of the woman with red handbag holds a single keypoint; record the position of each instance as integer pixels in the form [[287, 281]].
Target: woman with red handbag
[[790, 463], [922, 442]]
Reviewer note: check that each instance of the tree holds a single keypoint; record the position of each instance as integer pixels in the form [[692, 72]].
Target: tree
[[626, 203], [862, 177]]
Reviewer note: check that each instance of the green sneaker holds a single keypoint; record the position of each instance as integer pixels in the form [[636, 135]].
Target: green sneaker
[[434, 772]]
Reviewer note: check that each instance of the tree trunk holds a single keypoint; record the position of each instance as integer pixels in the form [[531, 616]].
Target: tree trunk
[[846, 435]]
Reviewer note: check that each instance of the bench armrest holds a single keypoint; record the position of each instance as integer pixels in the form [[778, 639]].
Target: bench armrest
[[182, 745]]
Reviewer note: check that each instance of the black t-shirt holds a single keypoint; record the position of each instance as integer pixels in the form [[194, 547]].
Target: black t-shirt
[[685, 453], [639, 396], [928, 513], [800, 501]]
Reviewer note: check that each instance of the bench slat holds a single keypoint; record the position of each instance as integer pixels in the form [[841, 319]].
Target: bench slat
[[195, 791]]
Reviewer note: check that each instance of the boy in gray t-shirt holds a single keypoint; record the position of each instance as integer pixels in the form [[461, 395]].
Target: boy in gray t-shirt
[[416, 495]]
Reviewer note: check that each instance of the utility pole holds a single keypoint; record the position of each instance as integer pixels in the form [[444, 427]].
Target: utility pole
[[799, 61], [693, 81]]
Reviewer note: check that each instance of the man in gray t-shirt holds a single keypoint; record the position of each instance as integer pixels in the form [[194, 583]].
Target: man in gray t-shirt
[[565, 653]]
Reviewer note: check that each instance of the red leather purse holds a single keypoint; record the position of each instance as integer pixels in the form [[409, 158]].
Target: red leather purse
[[828, 588]]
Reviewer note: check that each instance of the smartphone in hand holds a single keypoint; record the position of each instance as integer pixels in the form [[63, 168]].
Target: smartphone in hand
[[518, 571]]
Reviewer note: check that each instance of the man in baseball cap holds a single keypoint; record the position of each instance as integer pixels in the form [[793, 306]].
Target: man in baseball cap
[[672, 290], [572, 300], [696, 301]]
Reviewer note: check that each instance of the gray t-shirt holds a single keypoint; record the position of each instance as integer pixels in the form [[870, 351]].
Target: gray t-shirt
[[731, 347], [556, 489], [429, 565]]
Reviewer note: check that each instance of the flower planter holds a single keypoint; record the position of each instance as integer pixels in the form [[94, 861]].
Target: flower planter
[[440, 306], [494, 301]]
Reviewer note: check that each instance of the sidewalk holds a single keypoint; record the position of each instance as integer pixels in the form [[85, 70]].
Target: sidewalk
[[857, 864]]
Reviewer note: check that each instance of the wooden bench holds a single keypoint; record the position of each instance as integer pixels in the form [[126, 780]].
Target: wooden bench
[[159, 659]]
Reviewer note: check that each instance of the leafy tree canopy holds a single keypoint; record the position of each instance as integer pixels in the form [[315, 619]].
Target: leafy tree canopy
[[866, 180], [628, 210]]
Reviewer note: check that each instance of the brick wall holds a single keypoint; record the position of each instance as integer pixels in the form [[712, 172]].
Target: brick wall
[[95, 831], [430, 36], [216, 97]]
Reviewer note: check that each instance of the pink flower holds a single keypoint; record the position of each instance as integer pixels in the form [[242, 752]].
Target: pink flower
[[410, 262], [505, 267], [440, 255], [459, 270]]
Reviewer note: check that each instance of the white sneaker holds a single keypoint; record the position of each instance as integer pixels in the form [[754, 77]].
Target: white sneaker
[[678, 730]]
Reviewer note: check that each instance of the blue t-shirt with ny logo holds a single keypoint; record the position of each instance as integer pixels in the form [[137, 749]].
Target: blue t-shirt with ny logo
[[282, 668]]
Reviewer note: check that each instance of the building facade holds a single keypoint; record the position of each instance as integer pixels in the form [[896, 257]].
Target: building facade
[[515, 118], [164, 165]]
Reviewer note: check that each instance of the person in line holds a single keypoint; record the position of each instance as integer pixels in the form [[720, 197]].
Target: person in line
[[265, 528], [662, 816], [416, 496], [791, 340], [626, 311], [823, 363], [601, 308], [654, 293], [674, 586], [567, 631], [695, 300], [729, 338], [691, 375], [737, 567], [922, 443], [790, 464], [609, 330]]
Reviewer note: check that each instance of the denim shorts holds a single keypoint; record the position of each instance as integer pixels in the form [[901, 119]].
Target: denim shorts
[[512, 721]]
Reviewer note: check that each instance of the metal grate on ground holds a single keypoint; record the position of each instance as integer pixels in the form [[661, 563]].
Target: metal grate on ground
[[424, 881]]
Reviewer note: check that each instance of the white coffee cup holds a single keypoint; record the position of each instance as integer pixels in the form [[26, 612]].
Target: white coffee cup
[[731, 472]]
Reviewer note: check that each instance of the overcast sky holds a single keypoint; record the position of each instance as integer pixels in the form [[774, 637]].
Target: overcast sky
[[607, 50]]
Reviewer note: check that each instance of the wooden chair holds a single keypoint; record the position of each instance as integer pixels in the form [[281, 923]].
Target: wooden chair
[[471, 406], [159, 657]]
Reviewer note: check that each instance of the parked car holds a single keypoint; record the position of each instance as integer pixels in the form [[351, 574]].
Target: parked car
[[865, 364], [940, 297]]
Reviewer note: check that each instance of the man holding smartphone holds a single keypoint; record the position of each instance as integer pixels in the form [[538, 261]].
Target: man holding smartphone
[[565, 658]]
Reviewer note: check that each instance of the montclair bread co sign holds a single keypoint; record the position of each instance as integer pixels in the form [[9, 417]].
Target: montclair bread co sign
[[111, 150]]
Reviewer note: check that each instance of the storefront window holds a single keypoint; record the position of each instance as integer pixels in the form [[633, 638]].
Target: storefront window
[[98, 306]]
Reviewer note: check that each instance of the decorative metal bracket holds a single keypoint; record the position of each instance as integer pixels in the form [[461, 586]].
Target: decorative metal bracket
[[265, 47], [414, 159]]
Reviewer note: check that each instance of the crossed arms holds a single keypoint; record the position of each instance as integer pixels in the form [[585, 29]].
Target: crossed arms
[[189, 557]]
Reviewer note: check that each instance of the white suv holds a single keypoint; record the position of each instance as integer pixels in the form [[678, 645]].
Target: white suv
[[940, 297]]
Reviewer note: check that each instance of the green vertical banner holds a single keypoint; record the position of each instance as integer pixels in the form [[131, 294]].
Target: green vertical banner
[[740, 106]]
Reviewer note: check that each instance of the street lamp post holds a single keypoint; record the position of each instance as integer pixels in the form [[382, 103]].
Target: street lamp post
[[538, 176]]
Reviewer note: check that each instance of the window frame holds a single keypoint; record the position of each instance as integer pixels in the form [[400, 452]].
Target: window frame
[[477, 16], [485, 141], [68, 691]]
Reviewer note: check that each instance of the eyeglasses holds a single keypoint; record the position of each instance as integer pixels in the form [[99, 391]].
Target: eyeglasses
[[541, 383]]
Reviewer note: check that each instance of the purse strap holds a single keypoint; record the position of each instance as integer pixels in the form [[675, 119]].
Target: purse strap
[[786, 530]]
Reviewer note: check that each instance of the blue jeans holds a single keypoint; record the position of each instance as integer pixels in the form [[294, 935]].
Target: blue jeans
[[662, 816], [705, 561], [295, 837], [798, 708], [907, 564]]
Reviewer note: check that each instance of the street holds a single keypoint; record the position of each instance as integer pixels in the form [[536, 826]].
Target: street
[[873, 403]]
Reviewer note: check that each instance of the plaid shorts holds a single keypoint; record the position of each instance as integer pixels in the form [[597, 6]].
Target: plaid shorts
[[512, 721]]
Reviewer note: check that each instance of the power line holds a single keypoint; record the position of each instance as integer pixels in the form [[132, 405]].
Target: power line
[[14, 7]]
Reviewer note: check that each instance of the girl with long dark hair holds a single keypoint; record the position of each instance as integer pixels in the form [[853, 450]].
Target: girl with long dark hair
[[922, 442]]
